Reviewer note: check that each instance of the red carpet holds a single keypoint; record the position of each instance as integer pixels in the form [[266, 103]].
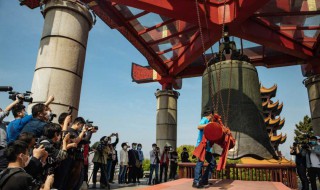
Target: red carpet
[[184, 184]]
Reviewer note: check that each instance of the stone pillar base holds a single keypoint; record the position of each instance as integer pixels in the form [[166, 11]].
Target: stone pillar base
[[166, 132]]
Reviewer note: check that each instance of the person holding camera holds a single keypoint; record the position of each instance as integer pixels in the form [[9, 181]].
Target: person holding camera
[[100, 161], [69, 172], [312, 154], [15, 177], [164, 163], [298, 150], [114, 158], [20, 120], [41, 114], [3, 131], [154, 163], [56, 154], [3, 127]]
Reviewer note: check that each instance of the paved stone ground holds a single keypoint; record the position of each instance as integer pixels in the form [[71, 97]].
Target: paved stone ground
[[131, 186]]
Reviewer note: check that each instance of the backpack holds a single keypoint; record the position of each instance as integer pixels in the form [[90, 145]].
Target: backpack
[[7, 173]]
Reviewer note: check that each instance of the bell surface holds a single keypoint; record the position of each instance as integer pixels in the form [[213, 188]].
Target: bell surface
[[245, 118]]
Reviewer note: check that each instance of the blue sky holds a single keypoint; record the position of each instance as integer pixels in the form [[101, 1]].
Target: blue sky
[[109, 97]]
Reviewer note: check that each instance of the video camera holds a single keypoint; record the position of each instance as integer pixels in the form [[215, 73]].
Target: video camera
[[26, 96], [89, 124]]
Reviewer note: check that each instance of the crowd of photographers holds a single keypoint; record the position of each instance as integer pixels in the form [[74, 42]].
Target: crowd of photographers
[[307, 158], [36, 153]]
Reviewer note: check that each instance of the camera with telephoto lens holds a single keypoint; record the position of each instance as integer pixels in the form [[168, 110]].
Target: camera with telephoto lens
[[26, 96]]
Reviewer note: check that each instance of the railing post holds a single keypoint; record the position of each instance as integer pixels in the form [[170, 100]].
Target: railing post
[[181, 171], [228, 171]]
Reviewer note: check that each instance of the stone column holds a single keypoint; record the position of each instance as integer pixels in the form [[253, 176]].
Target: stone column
[[313, 86], [61, 55], [166, 132]]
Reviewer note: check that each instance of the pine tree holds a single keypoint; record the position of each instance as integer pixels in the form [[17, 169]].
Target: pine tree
[[303, 128]]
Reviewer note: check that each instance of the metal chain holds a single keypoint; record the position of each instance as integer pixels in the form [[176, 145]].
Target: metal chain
[[215, 100], [220, 70], [218, 76], [205, 58], [228, 100]]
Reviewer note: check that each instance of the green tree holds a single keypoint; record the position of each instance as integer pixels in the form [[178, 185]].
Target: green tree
[[303, 128], [190, 149], [146, 165]]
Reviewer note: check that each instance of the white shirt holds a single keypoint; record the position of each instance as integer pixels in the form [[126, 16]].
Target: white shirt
[[315, 163], [153, 157], [124, 157]]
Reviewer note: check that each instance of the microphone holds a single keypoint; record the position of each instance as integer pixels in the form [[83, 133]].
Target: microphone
[[5, 88]]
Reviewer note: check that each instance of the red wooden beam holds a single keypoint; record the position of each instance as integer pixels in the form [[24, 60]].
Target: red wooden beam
[[109, 15], [276, 14], [257, 32], [173, 35], [185, 10], [296, 27], [137, 16], [173, 48], [156, 26], [190, 53], [244, 9]]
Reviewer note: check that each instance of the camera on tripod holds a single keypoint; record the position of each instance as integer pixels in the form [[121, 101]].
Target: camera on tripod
[[25, 97]]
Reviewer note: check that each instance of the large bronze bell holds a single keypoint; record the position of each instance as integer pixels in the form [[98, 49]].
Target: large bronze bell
[[245, 117]]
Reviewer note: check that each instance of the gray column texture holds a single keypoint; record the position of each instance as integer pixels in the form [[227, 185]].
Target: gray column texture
[[313, 86], [61, 55], [245, 108], [166, 132]]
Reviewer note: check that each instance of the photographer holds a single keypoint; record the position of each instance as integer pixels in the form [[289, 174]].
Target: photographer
[[154, 163], [111, 155], [49, 140], [81, 138], [313, 162], [20, 120], [69, 172], [3, 133], [41, 114], [300, 160], [3, 127], [15, 177], [99, 161]]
